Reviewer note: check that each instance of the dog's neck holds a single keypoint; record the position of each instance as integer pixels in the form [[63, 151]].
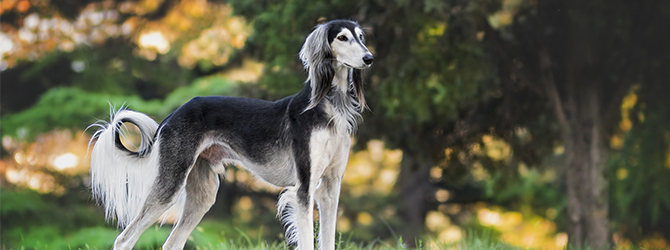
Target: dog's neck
[[341, 77], [341, 102]]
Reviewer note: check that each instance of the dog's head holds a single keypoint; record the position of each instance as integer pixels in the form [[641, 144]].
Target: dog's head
[[340, 42]]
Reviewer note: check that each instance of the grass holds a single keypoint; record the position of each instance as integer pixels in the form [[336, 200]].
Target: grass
[[205, 239], [473, 240]]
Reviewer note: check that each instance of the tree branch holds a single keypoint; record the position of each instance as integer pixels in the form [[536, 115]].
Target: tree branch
[[551, 90]]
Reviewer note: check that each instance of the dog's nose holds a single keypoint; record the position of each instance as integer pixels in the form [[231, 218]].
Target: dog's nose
[[367, 59]]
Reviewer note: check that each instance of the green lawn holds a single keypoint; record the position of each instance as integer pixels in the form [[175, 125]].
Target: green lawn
[[211, 235]]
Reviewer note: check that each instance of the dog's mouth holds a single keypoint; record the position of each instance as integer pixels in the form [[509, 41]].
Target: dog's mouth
[[365, 66]]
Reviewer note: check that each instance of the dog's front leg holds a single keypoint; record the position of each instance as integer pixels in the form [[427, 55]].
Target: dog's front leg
[[327, 199], [312, 158], [328, 196], [305, 217], [306, 165]]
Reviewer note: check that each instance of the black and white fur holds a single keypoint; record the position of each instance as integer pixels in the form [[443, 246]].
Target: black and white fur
[[300, 143]]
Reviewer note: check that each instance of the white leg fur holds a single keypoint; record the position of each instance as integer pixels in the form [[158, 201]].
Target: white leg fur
[[305, 223], [327, 201], [328, 197]]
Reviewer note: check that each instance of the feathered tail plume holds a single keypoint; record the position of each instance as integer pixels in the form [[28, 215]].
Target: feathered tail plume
[[121, 179], [286, 214]]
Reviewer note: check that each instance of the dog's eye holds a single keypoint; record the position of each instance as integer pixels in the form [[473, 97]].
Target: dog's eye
[[342, 38]]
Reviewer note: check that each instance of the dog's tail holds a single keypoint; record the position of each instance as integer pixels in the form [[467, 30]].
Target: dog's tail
[[120, 178], [287, 215]]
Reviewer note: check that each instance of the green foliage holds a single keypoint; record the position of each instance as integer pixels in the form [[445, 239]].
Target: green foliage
[[480, 240], [640, 171], [111, 68], [39, 221], [15, 202], [205, 86], [530, 190], [97, 237], [73, 108], [64, 108]]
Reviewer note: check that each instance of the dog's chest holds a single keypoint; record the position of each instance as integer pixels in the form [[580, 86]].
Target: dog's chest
[[327, 147], [342, 116]]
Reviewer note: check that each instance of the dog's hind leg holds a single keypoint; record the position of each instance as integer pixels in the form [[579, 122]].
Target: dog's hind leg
[[201, 187], [152, 209], [175, 165]]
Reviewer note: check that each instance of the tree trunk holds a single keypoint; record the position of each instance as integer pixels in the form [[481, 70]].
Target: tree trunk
[[413, 188], [587, 192], [585, 155], [580, 118]]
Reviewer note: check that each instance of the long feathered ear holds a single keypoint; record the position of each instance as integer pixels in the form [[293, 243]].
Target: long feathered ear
[[317, 56], [357, 85]]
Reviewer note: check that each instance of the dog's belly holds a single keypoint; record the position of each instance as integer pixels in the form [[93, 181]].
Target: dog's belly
[[277, 169], [279, 172]]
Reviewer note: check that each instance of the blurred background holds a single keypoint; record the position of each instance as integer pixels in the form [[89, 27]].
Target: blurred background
[[544, 123]]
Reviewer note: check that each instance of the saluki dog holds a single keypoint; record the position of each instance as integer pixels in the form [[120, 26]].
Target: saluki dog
[[300, 143]]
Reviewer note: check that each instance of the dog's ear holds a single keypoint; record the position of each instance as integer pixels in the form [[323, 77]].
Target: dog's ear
[[317, 58], [357, 88]]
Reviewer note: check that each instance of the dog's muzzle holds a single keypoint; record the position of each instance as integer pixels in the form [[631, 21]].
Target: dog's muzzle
[[368, 58]]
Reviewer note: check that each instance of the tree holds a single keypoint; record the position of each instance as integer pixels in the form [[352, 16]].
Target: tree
[[583, 58]]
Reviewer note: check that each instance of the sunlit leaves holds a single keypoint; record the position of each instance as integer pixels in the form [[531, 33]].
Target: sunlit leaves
[[215, 45], [517, 229], [190, 24], [505, 16], [196, 32], [40, 35], [33, 164], [373, 170]]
